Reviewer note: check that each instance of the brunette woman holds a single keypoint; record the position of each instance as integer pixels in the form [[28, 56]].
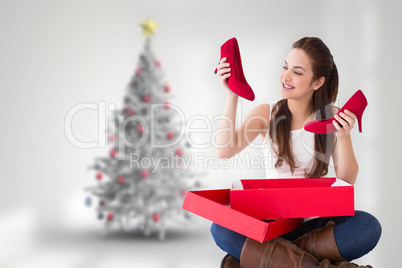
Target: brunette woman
[[309, 88]]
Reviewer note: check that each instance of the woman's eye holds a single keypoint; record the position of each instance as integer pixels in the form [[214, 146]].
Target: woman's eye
[[286, 67]]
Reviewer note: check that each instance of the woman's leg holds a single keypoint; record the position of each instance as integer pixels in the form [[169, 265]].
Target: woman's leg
[[358, 235], [228, 240], [355, 235]]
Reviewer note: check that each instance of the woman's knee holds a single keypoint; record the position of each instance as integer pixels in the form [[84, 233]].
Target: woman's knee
[[357, 236], [214, 230], [228, 240], [371, 225], [225, 237], [218, 233]]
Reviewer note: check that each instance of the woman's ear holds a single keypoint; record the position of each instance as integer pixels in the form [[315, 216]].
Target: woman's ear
[[318, 83]]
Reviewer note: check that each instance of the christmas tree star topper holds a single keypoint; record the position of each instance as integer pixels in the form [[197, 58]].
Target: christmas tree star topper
[[148, 27]]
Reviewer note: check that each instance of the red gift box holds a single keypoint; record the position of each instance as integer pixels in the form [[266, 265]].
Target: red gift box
[[293, 198], [214, 205]]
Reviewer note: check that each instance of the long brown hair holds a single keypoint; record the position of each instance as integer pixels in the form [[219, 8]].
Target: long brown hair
[[280, 124]]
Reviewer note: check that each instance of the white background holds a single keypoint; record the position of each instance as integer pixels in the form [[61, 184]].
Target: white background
[[57, 54]]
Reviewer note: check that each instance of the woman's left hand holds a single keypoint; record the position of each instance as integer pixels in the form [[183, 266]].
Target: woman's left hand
[[344, 123]]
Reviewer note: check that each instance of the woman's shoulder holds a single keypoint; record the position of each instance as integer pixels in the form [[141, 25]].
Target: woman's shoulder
[[262, 110], [261, 113], [335, 109]]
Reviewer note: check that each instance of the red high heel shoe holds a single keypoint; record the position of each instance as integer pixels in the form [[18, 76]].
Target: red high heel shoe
[[236, 82], [356, 104]]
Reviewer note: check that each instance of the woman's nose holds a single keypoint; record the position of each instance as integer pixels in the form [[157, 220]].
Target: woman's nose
[[286, 75]]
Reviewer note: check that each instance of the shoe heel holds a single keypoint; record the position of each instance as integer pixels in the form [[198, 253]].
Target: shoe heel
[[359, 115], [359, 121]]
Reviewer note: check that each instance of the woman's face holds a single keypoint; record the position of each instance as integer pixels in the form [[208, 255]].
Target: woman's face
[[296, 76]]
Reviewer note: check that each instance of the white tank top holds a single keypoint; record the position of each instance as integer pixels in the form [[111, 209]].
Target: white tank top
[[303, 150]]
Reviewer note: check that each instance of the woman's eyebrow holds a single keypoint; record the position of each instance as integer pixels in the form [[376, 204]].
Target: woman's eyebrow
[[296, 67]]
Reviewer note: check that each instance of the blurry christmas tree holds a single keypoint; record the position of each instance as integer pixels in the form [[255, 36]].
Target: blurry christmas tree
[[143, 180]]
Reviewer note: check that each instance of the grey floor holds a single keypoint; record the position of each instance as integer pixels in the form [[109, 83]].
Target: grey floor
[[183, 247]]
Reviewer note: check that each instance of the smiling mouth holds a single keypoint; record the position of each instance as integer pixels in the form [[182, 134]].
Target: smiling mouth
[[287, 87]]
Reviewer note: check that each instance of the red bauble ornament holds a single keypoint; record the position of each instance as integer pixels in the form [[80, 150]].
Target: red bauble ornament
[[144, 173], [170, 135], [113, 153], [167, 105], [146, 98], [99, 176], [138, 71], [140, 129], [158, 63], [166, 88], [156, 217], [112, 137], [110, 216], [179, 152], [121, 179], [130, 112]]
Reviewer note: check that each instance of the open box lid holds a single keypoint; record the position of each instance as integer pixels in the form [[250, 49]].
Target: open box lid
[[246, 184]]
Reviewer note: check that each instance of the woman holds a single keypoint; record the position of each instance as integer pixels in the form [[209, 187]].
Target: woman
[[309, 87]]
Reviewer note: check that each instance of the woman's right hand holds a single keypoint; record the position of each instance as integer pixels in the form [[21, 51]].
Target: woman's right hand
[[224, 73]]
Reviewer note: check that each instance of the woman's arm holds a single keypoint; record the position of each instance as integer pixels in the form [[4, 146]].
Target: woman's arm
[[230, 141], [346, 167]]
